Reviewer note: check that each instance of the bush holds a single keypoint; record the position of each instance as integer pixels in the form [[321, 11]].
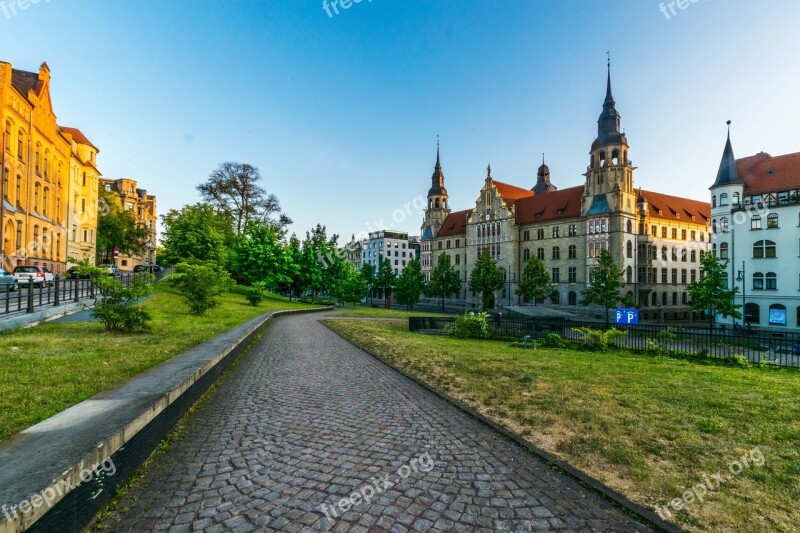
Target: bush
[[257, 293], [469, 326], [115, 305], [554, 340], [599, 339], [201, 284]]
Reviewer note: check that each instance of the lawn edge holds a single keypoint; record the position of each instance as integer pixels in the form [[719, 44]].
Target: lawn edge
[[618, 499]]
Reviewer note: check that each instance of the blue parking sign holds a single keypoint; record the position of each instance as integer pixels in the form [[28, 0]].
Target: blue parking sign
[[626, 316]]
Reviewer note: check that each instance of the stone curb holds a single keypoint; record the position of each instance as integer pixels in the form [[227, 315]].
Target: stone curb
[[25, 320], [52, 453], [634, 509]]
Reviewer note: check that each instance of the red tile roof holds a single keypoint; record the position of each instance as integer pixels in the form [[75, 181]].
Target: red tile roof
[[565, 203], [24, 81], [511, 193], [755, 172], [676, 208], [455, 224], [79, 137]]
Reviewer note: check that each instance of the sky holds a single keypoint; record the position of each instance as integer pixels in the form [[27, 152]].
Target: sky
[[341, 112]]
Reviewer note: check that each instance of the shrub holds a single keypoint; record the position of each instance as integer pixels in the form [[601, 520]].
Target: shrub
[[554, 340], [257, 293], [599, 339], [740, 361], [469, 326], [115, 305], [201, 284]]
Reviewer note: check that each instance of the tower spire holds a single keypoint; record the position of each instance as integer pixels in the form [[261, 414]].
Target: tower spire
[[728, 174], [438, 164]]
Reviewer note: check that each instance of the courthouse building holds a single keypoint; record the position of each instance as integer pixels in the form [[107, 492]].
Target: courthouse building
[[656, 238]]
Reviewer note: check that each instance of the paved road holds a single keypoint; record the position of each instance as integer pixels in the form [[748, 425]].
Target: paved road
[[307, 420]]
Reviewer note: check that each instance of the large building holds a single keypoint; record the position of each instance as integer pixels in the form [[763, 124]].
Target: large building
[[390, 245], [143, 207], [83, 209], [755, 208], [656, 238]]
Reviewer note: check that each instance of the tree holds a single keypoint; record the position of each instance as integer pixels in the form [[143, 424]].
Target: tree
[[385, 281], [368, 273], [233, 189], [201, 284], [535, 282], [444, 281], [486, 278], [410, 284], [198, 232], [710, 292], [605, 284], [352, 286], [259, 255], [118, 228]]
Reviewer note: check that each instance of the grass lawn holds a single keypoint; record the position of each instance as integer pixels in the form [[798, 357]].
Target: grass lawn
[[650, 427], [48, 368], [379, 312]]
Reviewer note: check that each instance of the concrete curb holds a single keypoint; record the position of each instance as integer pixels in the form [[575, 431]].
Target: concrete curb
[[53, 453], [26, 320], [634, 509]]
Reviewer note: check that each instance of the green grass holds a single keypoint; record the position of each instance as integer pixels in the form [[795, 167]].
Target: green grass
[[46, 369], [379, 312], [650, 427]]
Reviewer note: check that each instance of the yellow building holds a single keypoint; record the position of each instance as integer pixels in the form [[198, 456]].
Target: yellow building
[[82, 202], [35, 162], [143, 206]]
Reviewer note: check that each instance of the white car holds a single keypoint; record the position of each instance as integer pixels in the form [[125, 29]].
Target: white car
[[39, 275]]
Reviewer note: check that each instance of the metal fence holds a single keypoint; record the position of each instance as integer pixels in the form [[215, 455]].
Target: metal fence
[[781, 348], [31, 297]]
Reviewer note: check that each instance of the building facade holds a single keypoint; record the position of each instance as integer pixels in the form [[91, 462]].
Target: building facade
[[390, 245], [83, 209], [143, 207], [656, 238], [755, 208]]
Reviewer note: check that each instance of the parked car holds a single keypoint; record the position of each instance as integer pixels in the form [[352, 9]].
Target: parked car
[[112, 269], [72, 273], [152, 269], [8, 282], [39, 275]]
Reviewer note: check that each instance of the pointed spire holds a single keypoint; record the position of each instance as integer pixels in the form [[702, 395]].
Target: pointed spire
[[438, 164], [728, 174], [609, 128], [437, 178], [609, 96]]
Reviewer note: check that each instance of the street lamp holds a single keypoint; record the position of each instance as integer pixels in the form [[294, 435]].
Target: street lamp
[[740, 277]]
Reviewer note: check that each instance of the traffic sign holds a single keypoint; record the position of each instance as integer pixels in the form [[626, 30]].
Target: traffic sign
[[626, 316]]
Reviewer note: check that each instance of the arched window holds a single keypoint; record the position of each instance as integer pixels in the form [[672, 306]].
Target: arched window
[[723, 250], [736, 199], [629, 249], [572, 298], [44, 200], [758, 281], [723, 199], [725, 280], [764, 250], [46, 164], [714, 249], [755, 222], [615, 157], [663, 298], [556, 252], [674, 298], [777, 315], [629, 274], [714, 201], [674, 253], [437, 203], [35, 238], [7, 137], [714, 226], [20, 145], [36, 156], [36, 188], [630, 227], [602, 161], [653, 299], [723, 225], [752, 313], [772, 281], [663, 253], [772, 221], [540, 253]]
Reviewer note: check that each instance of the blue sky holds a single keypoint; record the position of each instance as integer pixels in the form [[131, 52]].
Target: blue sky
[[341, 113]]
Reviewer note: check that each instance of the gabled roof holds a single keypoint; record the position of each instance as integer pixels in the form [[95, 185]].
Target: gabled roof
[[755, 172], [669, 207], [511, 193], [79, 137], [455, 224], [24, 81], [565, 203]]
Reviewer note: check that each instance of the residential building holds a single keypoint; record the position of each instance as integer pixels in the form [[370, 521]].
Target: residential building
[[390, 245], [656, 238], [82, 202], [143, 206], [35, 165], [755, 209], [354, 251]]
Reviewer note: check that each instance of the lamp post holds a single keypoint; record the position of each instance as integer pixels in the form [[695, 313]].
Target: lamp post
[[740, 277]]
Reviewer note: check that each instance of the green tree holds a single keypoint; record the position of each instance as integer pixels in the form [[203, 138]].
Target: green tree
[[201, 284], [198, 231], [410, 284], [385, 281], [486, 278], [605, 284], [116, 305], [368, 273], [710, 293], [444, 281], [351, 287], [259, 255], [118, 228], [535, 282]]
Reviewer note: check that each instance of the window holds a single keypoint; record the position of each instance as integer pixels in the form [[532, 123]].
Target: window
[[723, 199], [654, 231], [693, 256], [772, 221], [723, 250], [5, 182], [629, 274], [764, 249], [19, 188], [674, 298], [573, 275], [540, 253], [714, 226], [674, 276], [664, 232], [723, 225], [693, 235], [556, 231], [684, 276], [556, 252], [539, 234], [630, 227], [573, 230], [20, 146], [556, 275], [758, 281], [19, 234], [714, 201], [44, 201], [675, 234], [674, 254], [693, 276], [35, 238], [629, 249], [755, 222], [772, 281], [526, 254], [777, 315], [573, 251], [752, 313], [458, 259], [526, 235], [663, 253], [36, 188], [664, 276]]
